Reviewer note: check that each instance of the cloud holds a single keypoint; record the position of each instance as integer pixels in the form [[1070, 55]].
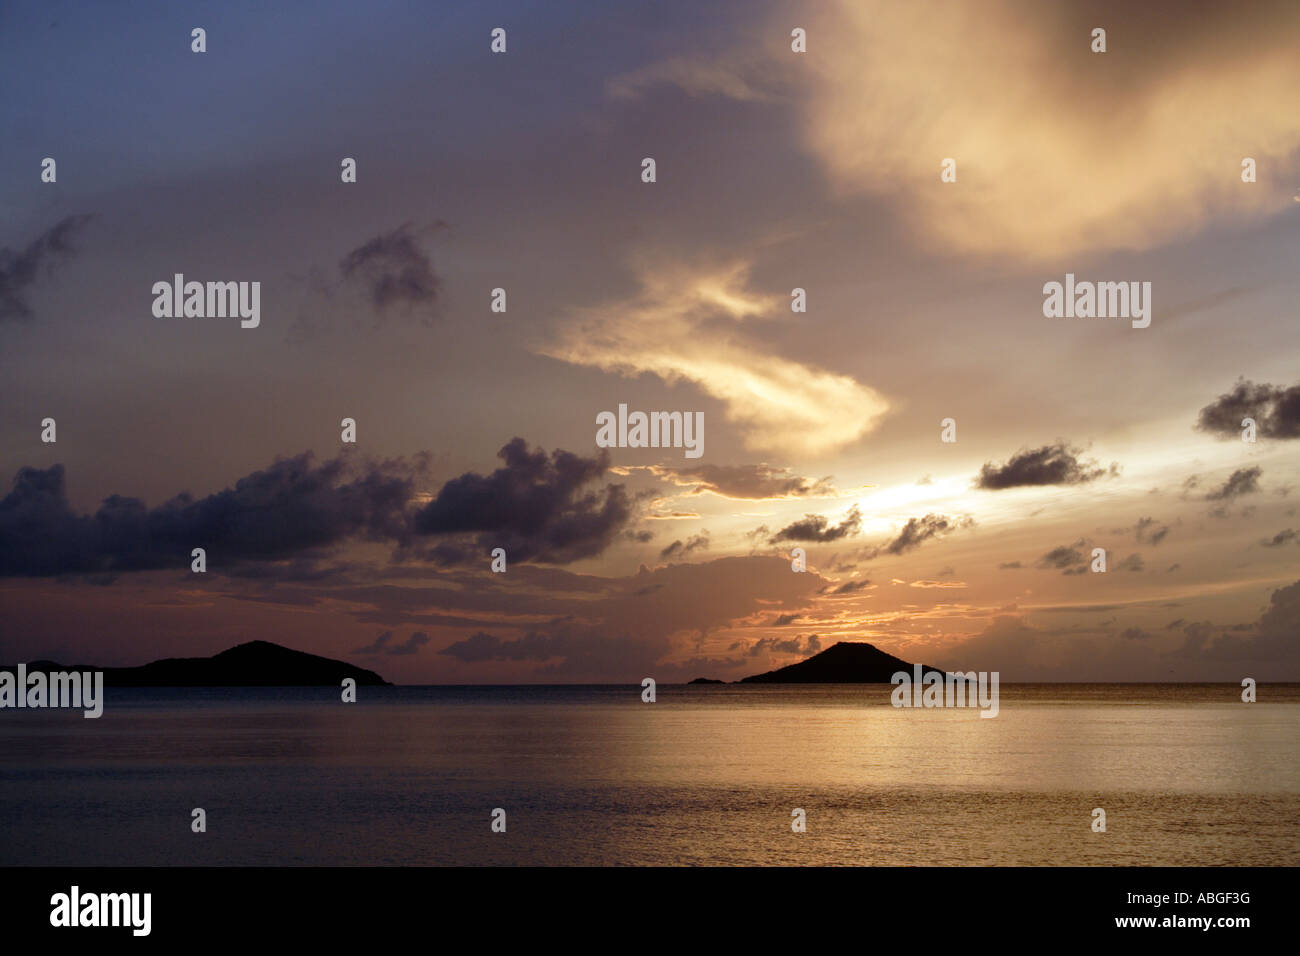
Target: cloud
[[819, 528], [537, 508], [19, 271], [849, 587], [1133, 562], [1276, 411], [880, 127], [783, 645], [413, 643], [393, 271], [377, 646], [1279, 539], [293, 506], [618, 632], [1066, 558], [1056, 464], [1243, 481], [747, 482], [482, 646], [687, 323], [678, 549], [1270, 638], [1085, 652], [748, 80], [1147, 532], [919, 530]]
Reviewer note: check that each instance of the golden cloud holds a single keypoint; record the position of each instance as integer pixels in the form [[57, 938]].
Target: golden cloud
[[1058, 150], [671, 329]]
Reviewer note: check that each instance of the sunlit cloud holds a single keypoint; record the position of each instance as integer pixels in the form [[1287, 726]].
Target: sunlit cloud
[[1059, 150], [671, 329]]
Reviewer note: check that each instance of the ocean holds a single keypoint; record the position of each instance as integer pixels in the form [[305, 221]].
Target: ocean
[[706, 775]]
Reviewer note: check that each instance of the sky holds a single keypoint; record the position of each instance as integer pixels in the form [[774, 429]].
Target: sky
[[774, 170]]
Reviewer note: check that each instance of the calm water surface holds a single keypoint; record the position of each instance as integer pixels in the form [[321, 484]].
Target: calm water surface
[[1187, 775]]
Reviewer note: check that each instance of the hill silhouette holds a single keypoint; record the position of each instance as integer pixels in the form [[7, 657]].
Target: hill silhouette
[[844, 663], [253, 664]]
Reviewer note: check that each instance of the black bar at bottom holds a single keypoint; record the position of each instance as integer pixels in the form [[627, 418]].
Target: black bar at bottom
[[654, 907]]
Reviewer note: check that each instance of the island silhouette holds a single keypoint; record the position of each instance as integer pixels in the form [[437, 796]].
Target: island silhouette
[[266, 664], [252, 664], [847, 662]]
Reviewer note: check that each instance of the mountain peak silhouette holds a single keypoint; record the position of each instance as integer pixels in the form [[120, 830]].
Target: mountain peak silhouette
[[846, 662]]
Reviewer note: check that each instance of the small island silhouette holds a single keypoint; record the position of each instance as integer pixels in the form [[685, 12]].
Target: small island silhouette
[[253, 664], [847, 662]]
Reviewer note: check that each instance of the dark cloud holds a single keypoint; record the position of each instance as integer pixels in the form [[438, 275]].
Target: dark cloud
[[679, 549], [1270, 638], [1133, 562], [1276, 411], [393, 270], [778, 645], [849, 587], [293, 506], [377, 646], [479, 647], [1067, 558], [1010, 566], [1150, 531], [919, 530], [1279, 539], [20, 270], [537, 507], [1243, 481], [413, 643], [750, 482], [1134, 634], [819, 528], [1056, 464]]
